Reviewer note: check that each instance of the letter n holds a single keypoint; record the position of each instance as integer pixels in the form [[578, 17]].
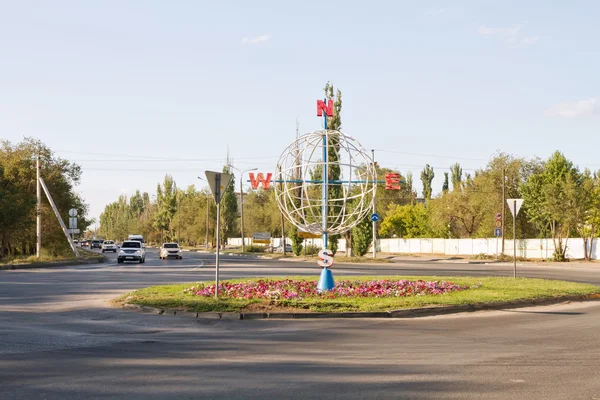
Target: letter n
[[327, 108]]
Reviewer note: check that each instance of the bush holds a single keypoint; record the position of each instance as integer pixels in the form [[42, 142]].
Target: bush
[[312, 250], [255, 249]]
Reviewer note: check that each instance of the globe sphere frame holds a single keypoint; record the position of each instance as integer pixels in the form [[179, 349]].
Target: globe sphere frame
[[350, 182]]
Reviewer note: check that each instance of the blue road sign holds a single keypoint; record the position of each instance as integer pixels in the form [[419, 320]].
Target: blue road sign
[[498, 232], [374, 217]]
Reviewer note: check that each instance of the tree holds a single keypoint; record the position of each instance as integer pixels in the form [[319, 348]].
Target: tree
[[456, 171], [362, 235], [427, 176], [229, 210], [407, 221], [336, 203], [166, 201], [18, 198], [445, 185], [551, 199]]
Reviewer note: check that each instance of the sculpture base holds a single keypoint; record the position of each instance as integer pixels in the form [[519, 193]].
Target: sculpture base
[[325, 281]]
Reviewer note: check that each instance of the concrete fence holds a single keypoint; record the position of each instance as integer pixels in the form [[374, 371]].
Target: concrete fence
[[527, 248]]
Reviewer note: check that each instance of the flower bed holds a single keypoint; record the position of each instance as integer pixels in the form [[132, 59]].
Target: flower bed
[[288, 289]]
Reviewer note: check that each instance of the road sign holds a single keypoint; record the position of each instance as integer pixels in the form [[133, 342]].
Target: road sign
[[74, 231], [514, 205], [374, 217], [498, 232], [498, 216], [261, 237], [73, 212], [218, 183], [72, 222], [308, 235], [498, 224]]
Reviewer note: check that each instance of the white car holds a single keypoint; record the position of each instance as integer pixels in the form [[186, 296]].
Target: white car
[[131, 250], [109, 245], [170, 250]]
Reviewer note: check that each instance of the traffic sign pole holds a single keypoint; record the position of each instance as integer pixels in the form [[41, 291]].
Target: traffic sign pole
[[218, 183]]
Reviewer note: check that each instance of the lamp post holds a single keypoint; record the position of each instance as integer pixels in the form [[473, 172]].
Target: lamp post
[[207, 209], [242, 202]]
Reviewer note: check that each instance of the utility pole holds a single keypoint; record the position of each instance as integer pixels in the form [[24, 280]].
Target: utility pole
[[207, 210], [38, 246], [282, 221], [503, 203], [178, 219], [374, 208]]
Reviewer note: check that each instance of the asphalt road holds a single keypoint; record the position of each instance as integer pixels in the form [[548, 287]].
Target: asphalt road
[[59, 339]]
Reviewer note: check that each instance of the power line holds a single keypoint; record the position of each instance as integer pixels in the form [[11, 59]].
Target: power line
[[430, 155]]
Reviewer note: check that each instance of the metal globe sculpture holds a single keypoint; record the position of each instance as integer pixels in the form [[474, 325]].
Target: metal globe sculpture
[[330, 203]]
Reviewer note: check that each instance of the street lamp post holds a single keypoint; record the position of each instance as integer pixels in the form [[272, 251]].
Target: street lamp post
[[242, 202], [207, 210]]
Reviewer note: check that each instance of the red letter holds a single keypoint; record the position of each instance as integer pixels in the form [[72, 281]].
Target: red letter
[[327, 108], [260, 179], [392, 182]]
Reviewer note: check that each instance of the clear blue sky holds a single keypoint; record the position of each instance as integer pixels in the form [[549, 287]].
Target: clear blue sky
[[428, 82]]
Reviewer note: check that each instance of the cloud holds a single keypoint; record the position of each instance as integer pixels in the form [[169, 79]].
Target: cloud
[[575, 109], [530, 40], [256, 39], [508, 33]]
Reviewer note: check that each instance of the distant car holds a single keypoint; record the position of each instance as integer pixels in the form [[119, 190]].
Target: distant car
[[131, 250], [96, 243], [85, 243], [288, 249], [75, 241], [109, 245], [170, 250]]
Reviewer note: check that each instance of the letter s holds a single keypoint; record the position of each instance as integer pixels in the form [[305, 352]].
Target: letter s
[[325, 258]]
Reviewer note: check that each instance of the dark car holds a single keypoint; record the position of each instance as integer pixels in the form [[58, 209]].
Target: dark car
[[85, 243], [96, 243]]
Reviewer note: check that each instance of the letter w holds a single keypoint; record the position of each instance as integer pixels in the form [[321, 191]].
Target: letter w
[[254, 182]]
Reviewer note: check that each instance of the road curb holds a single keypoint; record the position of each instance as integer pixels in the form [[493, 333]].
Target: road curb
[[402, 313], [52, 264]]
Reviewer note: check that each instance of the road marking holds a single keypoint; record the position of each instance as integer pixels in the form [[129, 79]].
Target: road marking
[[517, 380]]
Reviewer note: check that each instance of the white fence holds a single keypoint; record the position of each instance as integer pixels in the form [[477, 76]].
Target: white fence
[[527, 248]]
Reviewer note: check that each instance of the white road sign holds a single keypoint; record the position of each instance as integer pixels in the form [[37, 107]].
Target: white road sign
[[514, 205], [73, 212], [72, 222], [74, 231], [218, 182]]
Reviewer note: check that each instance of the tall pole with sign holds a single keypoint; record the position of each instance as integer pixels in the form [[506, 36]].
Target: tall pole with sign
[[218, 183], [514, 205]]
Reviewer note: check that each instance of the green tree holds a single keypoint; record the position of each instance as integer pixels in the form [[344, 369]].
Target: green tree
[[456, 171], [362, 237], [407, 221], [445, 185], [18, 198], [551, 198], [166, 201], [427, 176], [229, 210]]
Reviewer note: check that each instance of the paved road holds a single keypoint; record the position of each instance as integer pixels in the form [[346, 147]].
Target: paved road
[[59, 339]]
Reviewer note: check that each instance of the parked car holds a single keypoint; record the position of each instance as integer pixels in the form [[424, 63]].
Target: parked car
[[131, 250], [109, 245], [96, 243], [169, 250], [288, 249]]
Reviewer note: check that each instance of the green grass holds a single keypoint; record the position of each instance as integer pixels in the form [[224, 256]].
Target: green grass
[[492, 290], [47, 258]]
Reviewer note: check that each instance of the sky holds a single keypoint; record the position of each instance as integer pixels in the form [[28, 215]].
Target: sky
[[134, 90]]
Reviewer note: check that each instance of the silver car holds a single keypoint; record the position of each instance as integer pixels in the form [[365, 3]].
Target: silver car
[[170, 250]]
